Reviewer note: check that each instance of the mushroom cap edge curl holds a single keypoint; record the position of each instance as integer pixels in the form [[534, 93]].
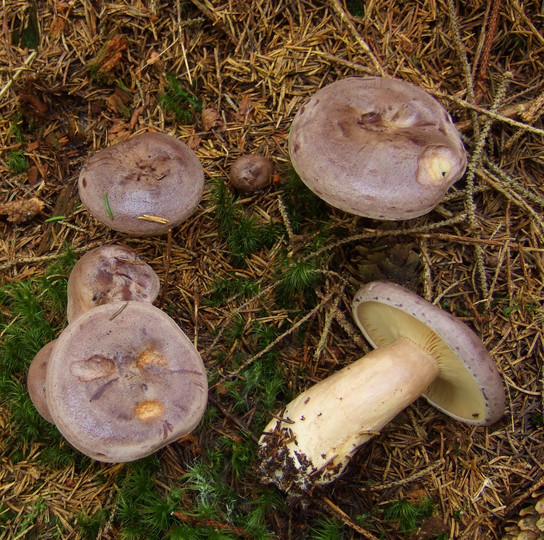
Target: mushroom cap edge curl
[[36, 377], [376, 147], [144, 185], [313, 439], [109, 273], [123, 381], [468, 387]]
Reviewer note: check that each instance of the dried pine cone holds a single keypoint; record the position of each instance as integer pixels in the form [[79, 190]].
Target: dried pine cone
[[529, 525]]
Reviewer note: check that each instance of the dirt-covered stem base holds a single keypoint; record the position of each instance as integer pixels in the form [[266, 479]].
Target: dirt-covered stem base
[[322, 428]]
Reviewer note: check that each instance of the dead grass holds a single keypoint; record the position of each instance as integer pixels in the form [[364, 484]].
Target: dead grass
[[482, 249]]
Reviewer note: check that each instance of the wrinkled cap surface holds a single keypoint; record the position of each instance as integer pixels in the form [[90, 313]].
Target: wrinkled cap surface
[[107, 274], [376, 147], [468, 386], [250, 172], [144, 185], [124, 380], [35, 380]]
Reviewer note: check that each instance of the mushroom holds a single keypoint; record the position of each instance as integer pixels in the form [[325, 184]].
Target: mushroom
[[35, 380], [109, 273], [145, 185], [420, 350], [376, 147], [123, 380], [250, 173]]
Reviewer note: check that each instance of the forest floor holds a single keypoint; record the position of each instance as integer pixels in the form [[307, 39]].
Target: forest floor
[[266, 295]]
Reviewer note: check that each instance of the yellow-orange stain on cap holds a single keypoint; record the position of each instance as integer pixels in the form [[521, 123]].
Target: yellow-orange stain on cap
[[150, 357], [148, 410]]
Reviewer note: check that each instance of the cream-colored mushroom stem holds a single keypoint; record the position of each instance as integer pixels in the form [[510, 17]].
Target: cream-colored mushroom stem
[[322, 427]]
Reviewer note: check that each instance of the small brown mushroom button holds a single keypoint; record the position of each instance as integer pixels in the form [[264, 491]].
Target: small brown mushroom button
[[420, 350], [250, 173], [124, 380], [376, 147], [142, 186], [36, 377], [107, 274]]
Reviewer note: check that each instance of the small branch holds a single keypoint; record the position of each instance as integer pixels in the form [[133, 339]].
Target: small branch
[[339, 10], [342, 516], [109, 524], [329, 317], [427, 275], [513, 110], [269, 347], [42, 258], [245, 429], [351, 331], [210, 14], [25, 65], [474, 162], [408, 479], [398, 232], [461, 51], [286, 220], [483, 241], [524, 495], [529, 115], [231, 316], [516, 186], [518, 201], [488, 42]]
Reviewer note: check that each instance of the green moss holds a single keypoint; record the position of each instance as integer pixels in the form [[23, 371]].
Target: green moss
[[179, 102], [244, 234], [225, 288], [17, 162], [303, 207], [356, 7], [28, 34], [32, 315], [407, 514]]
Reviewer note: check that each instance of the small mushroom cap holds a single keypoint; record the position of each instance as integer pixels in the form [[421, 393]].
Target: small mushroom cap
[[251, 172], [107, 274], [468, 386], [144, 185], [35, 380], [124, 380], [376, 147]]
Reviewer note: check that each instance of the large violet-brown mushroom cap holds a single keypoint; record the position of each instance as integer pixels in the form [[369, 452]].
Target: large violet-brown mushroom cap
[[109, 273], [124, 380], [35, 380], [376, 147], [144, 185], [468, 387]]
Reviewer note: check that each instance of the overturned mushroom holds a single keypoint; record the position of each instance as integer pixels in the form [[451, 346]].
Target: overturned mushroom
[[144, 185], [123, 380], [107, 274], [250, 173], [420, 350], [36, 377], [376, 147]]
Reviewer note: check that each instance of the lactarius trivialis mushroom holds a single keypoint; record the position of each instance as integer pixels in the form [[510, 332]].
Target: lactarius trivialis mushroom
[[107, 274], [36, 377], [123, 380], [376, 147], [144, 185], [250, 173], [420, 350]]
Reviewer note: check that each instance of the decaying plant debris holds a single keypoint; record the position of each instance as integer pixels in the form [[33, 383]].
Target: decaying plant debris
[[227, 79]]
